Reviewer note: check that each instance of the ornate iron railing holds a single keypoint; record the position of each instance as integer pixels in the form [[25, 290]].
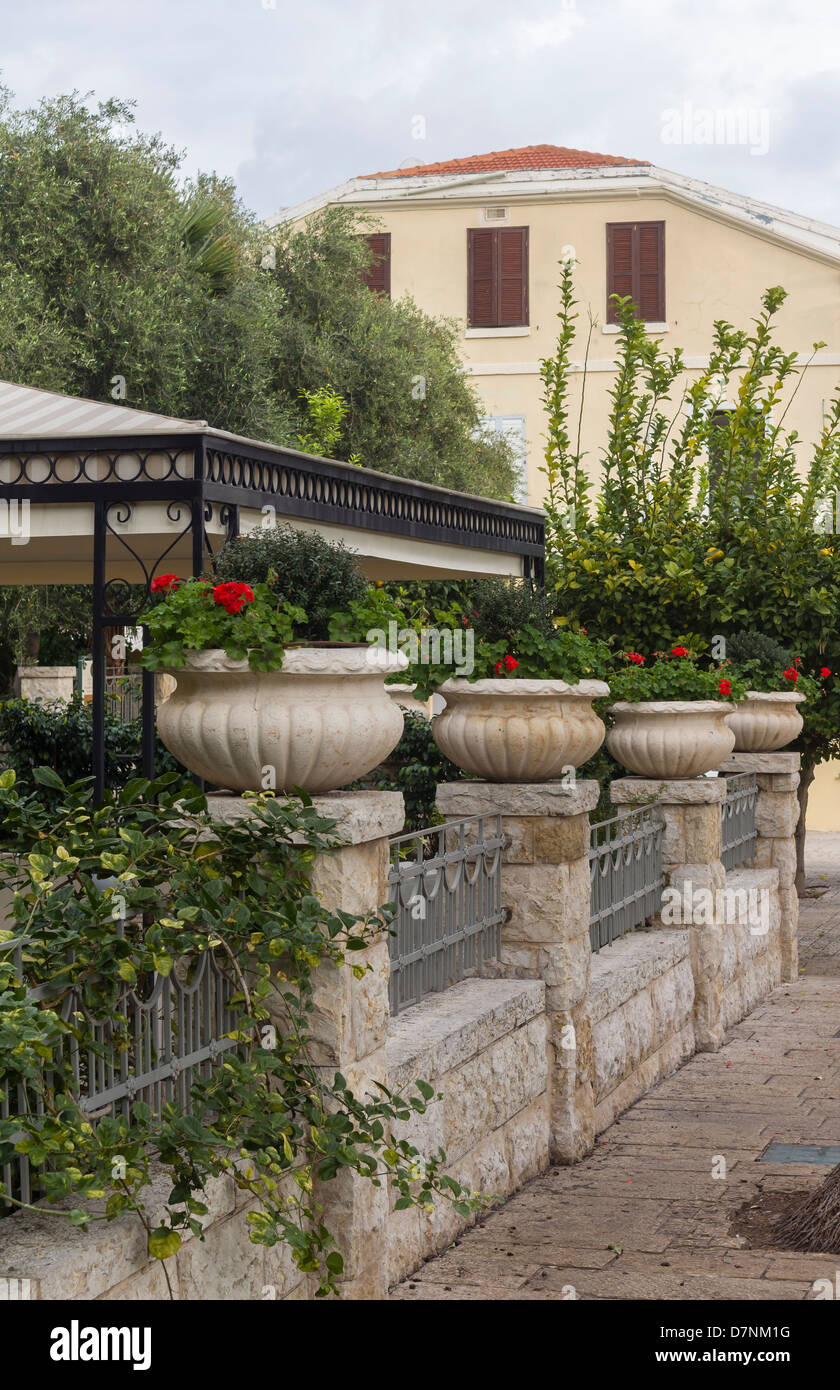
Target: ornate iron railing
[[152, 1047], [446, 883], [737, 820], [625, 874]]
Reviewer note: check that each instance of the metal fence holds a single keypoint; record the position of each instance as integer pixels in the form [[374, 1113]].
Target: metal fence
[[446, 883], [124, 696], [737, 820], [164, 1034], [625, 874]]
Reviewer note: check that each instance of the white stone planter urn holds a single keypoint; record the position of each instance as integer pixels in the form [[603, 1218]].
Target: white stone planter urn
[[320, 722], [519, 730], [764, 723], [671, 738]]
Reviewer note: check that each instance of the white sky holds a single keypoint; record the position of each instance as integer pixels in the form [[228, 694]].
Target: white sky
[[294, 99]]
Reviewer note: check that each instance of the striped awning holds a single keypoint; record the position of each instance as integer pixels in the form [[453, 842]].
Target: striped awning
[[26, 412]]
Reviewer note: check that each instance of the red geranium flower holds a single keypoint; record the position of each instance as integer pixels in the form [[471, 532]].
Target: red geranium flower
[[791, 674], [164, 583], [797, 661], [636, 658], [233, 595], [679, 651], [725, 688], [824, 671], [510, 664]]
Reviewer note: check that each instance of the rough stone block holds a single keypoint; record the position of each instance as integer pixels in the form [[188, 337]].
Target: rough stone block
[[776, 814], [702, 842], [560, 840]]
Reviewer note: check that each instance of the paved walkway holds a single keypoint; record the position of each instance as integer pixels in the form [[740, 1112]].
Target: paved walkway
[[643, 1218]]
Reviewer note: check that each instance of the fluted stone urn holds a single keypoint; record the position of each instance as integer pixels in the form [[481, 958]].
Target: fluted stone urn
[[320, 722], [671, 738], [519, 730], [766, 722]]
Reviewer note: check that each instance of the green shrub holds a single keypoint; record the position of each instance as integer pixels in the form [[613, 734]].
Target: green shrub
[[59, 734], [415, 768], [301, 567], [501, 608], [759, 659]]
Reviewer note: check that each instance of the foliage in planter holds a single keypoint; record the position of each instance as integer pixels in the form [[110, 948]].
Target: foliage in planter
[[196, 615], [183, 884], [766, 666], [703, 522], [59, 734], [672, 675], [300, 567]]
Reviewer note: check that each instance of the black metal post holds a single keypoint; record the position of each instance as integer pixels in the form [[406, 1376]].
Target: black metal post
[[98, 667]]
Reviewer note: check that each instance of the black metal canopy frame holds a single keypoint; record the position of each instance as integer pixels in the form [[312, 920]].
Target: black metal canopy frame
[[196, 473]]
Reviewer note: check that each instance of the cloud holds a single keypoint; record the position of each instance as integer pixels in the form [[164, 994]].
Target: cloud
[[293, 99]]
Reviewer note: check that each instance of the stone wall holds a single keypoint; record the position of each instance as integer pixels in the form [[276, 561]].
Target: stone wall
[[532, 1060], [642, 1003], [482, 1044]]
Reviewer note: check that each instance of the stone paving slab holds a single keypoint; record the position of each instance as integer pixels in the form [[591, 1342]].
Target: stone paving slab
[[643, 1218]]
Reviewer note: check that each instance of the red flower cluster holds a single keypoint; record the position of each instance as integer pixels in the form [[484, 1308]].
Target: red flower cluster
[[824, 672], [233, 595], [725, 688], [507, 663], [679, 651], [164, 583], [791, 674], [636, 658]]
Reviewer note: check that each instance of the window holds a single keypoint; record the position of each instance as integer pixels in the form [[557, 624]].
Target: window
[[497, 277], [636, 266], [378, 277], [512, 428]]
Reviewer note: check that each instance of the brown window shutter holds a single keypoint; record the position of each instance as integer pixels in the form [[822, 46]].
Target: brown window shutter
[[651, 298], [497, 277], [513, 276], [378, 277], [636, 267], [481, 278], [619, 264]]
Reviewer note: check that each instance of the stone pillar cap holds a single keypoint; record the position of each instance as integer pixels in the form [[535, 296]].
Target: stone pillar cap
[[359, 816], [761, 762], [457, 799], [686, 791]]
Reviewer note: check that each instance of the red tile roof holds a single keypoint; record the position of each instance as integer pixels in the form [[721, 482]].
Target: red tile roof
[[529, 157]]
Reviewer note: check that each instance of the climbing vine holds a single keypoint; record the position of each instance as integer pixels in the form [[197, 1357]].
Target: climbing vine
[[108, 899]]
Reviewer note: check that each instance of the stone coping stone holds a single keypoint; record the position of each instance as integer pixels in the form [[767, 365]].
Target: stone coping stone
[[686, 791], [516, 798], [445, 1030], [630, 964], [47, 672], [761, 762], [64, 1262], [359, 816]]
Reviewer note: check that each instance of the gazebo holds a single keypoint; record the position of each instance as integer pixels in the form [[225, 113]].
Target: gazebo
[[105, 495]]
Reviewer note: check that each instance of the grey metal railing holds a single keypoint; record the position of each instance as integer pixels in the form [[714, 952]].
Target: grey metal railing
[[164, 1034], [737, 820], [625, 874], [446, 883]]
